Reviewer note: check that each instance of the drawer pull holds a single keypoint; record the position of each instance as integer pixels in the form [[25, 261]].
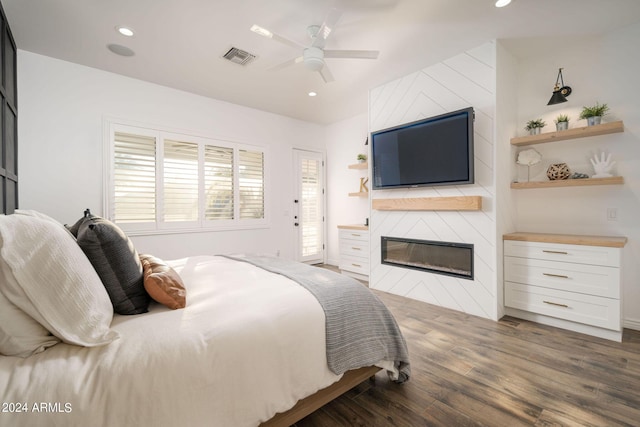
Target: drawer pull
[[556, 252], [356, 265], [556, 304], [556, 275], [356, 248], [355, 235]]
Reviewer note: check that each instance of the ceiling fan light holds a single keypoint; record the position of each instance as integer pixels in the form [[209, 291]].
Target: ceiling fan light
[[313, 58]]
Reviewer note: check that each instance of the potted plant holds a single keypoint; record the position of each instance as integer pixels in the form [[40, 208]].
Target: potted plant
[[362, 158], [562, 122], [594, 113], [534, 126]]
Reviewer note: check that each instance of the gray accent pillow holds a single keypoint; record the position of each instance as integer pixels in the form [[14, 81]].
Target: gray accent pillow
[[117, 263], [73, 229]]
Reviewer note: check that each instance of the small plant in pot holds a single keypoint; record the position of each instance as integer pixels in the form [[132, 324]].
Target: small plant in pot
[[562, 122], [594, 113], [534, 126], [362, 158]]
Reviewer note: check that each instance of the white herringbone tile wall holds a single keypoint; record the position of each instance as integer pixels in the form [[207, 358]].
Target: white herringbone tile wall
[[468, 79]]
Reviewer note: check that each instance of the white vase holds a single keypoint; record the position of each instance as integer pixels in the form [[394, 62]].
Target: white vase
[[534, 131], [562, 126]]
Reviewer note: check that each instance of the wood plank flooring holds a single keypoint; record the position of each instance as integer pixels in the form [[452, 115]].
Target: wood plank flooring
[[469, 371]]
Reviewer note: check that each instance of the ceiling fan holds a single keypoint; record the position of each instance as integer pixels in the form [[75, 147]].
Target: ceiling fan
[[313, 56]]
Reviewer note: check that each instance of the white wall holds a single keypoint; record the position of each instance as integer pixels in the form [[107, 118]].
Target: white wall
[[62, 107], [345, 140], [600, 69], [465, 80]]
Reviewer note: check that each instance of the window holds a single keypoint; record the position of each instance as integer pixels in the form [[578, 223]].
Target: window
[[165, 181]]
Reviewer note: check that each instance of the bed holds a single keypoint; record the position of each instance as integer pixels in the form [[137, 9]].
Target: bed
[[255, 343]]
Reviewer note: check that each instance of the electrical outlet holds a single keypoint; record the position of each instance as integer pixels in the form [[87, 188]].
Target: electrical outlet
[[612, 214]]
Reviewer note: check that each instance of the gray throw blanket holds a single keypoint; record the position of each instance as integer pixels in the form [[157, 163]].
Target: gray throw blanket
[[360, 329]]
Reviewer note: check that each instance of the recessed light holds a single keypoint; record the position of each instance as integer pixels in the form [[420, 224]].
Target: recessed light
[[312, 93], [125, 31], [262, 31], [502, 3]]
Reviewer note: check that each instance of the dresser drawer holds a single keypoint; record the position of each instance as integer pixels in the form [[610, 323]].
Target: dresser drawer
[[595, 255], [564, 276], [575, 307], [362, 236], [354, 264], [354, 247]]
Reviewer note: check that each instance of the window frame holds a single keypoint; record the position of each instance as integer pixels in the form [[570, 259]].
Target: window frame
[[160, 226]]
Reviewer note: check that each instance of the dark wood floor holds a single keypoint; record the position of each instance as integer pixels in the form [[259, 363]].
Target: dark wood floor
[[469, 371]]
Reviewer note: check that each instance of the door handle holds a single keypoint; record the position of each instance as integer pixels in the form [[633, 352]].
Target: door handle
[[296, 224]]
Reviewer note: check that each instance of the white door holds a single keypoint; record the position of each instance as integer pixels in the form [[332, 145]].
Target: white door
[[308, 209]]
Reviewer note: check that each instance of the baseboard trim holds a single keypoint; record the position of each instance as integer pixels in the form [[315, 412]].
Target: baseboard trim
[[565, 324], [632, 324]]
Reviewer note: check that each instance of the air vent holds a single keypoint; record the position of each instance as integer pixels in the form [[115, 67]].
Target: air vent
[[239, 56]]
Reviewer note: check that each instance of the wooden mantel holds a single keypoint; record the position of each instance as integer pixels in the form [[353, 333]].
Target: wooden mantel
[[456, 203]]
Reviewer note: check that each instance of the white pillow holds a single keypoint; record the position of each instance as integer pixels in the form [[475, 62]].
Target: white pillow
[[49, 278], [20, 335]]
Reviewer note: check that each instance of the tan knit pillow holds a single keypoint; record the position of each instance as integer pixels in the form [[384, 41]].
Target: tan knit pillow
[[163, 283]]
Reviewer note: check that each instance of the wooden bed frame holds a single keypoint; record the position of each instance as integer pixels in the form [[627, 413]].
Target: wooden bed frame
[[305, 406]]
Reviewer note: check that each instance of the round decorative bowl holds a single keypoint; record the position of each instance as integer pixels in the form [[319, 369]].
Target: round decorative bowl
[[558, 171]]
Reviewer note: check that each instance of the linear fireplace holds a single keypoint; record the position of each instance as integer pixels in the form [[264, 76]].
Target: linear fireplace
[[451, 259]]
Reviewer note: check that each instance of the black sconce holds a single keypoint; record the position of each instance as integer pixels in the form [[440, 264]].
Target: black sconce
[[560, 93]]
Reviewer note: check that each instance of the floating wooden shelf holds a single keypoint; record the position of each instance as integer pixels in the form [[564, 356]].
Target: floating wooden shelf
[[581, 132], [364, 165], [359, 194], [462, 203], [568, 239], [569, 182]]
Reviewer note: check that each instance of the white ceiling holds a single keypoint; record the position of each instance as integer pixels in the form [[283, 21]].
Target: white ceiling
[[179, 43]]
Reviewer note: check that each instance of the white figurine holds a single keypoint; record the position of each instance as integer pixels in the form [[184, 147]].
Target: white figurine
[[602, 166]]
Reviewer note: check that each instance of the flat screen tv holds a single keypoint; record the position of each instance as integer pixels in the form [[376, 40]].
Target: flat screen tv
[[433, 151]]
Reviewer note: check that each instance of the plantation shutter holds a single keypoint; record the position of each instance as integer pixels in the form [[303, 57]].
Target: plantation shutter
[[134, 178], [218, 183], [251, 184], [311, 207], [180, 178]]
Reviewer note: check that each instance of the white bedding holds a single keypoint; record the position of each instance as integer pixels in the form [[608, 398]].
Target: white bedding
[[248, 344]]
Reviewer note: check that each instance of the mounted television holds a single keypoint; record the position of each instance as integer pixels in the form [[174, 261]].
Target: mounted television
[[433, 151]]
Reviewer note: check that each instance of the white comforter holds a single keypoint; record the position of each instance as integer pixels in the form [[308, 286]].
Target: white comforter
[[249, 344]]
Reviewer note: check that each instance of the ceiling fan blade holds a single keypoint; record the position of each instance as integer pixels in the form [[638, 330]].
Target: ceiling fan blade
[[355, 54], [288, 63], [271, 35], [326, 74], [327, 27]]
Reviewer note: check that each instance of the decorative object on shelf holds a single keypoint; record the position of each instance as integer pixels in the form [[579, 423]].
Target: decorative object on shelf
[[528, 158], [560, 93], [602, 166], [562, 122], [534, 126], [558, 171], [363, 185], [362, 158], [594, 113], [579, 175]]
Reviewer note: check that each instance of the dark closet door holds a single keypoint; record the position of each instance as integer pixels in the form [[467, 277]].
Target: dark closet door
[[8, 119]]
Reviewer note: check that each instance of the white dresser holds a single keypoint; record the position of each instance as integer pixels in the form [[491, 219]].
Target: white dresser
[[354, 250], [567, 281]]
